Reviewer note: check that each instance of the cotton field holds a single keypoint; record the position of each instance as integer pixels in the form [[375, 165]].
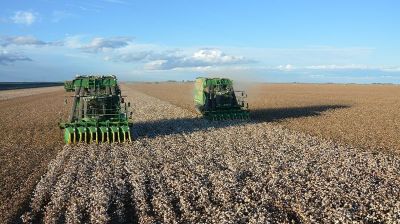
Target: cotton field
[[183, 169]]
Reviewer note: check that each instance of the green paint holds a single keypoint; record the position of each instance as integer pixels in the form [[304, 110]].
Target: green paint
[[103, 114], [215, 98]]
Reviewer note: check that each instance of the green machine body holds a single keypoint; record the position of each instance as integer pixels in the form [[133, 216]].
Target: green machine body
[[216, 99], [99, 112]]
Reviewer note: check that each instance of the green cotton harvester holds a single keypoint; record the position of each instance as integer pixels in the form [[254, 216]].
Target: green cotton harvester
[[215, 99], [98, 113]]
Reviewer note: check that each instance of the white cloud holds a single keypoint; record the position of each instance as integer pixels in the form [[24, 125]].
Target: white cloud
[[26, 41], [287, 67], [316, 76], [135, 52], [24, 17], [20, 40], [201, 58], [100, 44], [215, 56], [156, 58], [9, 57], [133, 56], [155, 65], [73, 41]]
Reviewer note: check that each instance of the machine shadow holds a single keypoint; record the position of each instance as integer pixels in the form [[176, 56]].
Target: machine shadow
[[152, 129], [278, 114]]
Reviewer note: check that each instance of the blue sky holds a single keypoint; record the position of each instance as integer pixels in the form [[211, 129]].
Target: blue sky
[[268, 41]]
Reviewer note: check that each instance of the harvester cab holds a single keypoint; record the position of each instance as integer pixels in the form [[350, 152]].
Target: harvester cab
[[216, 99], [99, 112]]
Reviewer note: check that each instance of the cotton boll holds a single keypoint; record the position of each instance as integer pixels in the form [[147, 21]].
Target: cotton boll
[[231, 172]]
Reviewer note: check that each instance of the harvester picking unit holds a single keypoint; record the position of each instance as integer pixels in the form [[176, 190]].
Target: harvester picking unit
[[96, 114], [216, 99]]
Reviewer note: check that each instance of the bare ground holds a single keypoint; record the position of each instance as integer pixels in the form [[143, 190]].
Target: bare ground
[[10, 94], [184, 169]]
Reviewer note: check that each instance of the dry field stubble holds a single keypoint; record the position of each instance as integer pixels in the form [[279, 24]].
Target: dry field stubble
[[184, 169], [365, 116], [30, 139], [180, 94], [9, 94]]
